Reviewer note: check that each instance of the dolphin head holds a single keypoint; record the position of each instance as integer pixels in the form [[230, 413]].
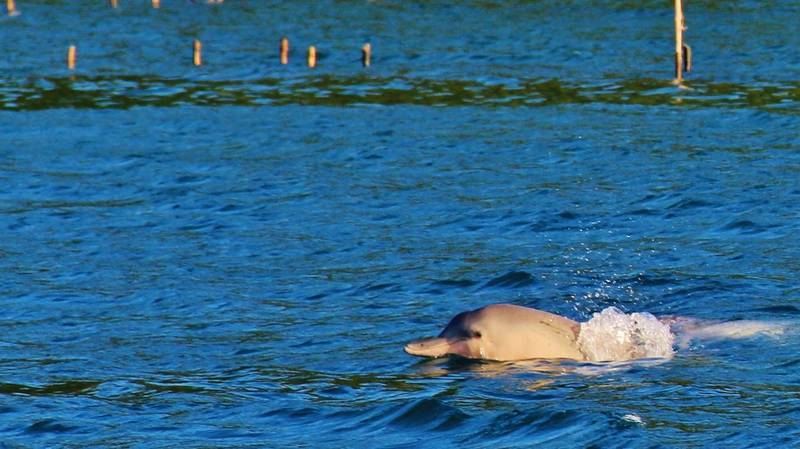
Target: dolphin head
[[462, 336], [503, 332]]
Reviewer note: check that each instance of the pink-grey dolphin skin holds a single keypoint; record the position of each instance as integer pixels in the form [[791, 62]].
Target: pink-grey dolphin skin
[[504, 332]]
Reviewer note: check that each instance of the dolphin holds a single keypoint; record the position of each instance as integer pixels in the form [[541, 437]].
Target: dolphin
[[504, 332]]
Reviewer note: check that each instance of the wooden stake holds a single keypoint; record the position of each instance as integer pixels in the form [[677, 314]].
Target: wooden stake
[[366, 54], [113, 3], [284, 50], [72, 55], [687, 58], [11, 7], [156, 4], [198, 52], [679, 26], [312, 56]]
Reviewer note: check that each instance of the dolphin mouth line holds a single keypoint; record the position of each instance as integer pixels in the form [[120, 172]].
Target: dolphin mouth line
[[430, 347]]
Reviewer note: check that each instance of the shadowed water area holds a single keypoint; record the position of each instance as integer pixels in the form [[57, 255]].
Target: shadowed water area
[[234, 255]]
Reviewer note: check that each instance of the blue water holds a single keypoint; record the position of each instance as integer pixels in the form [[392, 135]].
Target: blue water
[[234, 255]]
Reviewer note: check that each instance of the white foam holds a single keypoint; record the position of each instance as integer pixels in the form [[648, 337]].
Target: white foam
[[634, 418], [614, 336]]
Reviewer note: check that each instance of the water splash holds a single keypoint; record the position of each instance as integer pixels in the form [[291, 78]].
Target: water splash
[[613, 335]]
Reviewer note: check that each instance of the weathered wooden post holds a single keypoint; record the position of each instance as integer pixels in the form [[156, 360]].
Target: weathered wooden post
[[683, 54], [312, 56], [72, 54], [366, 54], [198, 53], [284, 50]]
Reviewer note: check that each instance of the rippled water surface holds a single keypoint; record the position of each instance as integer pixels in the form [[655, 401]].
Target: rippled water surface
[[233, 255]]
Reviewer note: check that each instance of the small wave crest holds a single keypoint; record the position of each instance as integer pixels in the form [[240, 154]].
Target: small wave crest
[[613, 336]]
